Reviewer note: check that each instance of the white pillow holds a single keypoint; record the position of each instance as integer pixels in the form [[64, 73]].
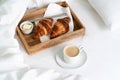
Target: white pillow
[[109, 10]]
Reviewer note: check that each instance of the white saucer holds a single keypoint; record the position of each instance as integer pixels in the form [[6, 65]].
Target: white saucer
[[61, 63]]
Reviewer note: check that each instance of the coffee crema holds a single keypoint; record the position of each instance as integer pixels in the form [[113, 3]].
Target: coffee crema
[[72, 51]]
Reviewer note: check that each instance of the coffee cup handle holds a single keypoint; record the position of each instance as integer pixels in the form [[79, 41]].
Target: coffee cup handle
[[81, 48]]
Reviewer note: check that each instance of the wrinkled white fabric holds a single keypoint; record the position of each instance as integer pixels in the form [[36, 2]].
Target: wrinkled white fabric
[[109, 10], [11, 12], [38, 74], [41, 3]]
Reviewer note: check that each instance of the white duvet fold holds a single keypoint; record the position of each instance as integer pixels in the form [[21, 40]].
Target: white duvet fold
[[11, 12]]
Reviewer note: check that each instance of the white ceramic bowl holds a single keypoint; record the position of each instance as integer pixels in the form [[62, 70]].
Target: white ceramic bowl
[[26, 27]]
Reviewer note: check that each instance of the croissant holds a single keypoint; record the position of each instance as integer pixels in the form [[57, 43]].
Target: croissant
[[43, 27], [60, 27]]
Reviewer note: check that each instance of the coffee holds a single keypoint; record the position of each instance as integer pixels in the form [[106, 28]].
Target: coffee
[[72, 51]]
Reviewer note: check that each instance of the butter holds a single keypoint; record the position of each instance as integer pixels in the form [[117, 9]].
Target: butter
[[27, 26]]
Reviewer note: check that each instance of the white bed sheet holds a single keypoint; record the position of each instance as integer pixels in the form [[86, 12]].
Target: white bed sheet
[[101, 45]]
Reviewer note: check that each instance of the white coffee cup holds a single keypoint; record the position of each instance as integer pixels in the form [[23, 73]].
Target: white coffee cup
[[71, 54]]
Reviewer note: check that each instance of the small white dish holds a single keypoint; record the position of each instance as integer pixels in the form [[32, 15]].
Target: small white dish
[[63, 64], [26, 27]]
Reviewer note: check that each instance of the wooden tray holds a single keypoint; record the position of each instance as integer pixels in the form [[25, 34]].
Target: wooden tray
[[33, 46]]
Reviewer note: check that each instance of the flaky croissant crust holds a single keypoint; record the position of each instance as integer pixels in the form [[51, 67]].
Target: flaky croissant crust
[[60, 27], [43, 27]]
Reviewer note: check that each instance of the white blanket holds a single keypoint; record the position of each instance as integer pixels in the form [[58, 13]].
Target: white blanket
[[12, 65], [11, 12]]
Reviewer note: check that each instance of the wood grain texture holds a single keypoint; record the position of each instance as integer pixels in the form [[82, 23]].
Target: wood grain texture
[[34, 45]]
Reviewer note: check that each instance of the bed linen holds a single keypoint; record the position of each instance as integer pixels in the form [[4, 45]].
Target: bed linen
[[102, 49], [10, 15], [33, 4], [109, 11]]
